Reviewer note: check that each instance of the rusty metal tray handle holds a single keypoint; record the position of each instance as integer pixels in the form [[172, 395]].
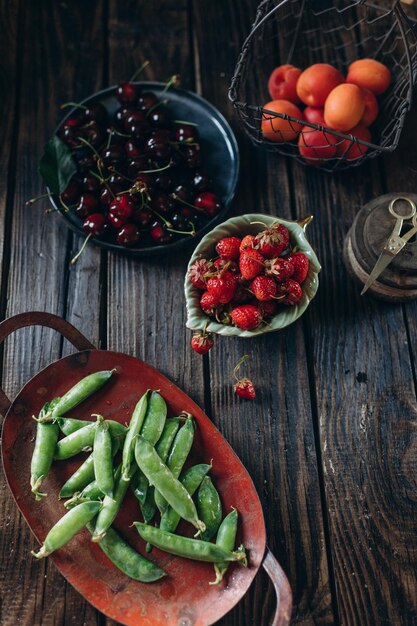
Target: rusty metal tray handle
[[40, 318]]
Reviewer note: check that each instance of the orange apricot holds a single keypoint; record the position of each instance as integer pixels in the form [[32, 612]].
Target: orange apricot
[[314, 115], [316, 82], [352, 151], [371, 108], [317, 146], [344, 107], [369, 74], [282, 83], [277, 128]]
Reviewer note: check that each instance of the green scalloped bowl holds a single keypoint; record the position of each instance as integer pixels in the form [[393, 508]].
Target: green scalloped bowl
[[240, 226]]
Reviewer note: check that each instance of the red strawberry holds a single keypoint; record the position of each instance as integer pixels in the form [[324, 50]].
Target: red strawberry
[[197, 272], [251, 263], [280, 269], [222, 264], [222, 287], [264, 288], [209, 303], [228, 248], [244, 389], [292, 291], [246, 316], [202, 342], [301, 263], [247, 243], [273, 241], [269, 308]]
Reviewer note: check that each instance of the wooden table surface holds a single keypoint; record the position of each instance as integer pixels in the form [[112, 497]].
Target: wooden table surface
[[331, 440]]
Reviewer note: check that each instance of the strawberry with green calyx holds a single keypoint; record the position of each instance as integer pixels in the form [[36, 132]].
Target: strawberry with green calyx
[[222, 287], [198, 272], [244, 387], [278, 268], [202, 342], [272, 241]]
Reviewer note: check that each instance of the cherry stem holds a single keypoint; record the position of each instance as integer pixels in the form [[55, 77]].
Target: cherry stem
[[139, 71], [33, 200], [155, 106], [165, 221], [192, 206], [113, 169], [100, 178], [160, 169], [244, 358], [183, 232], [174, 80], [66, 207], [81, 250], [73, 104], [114, 131], [99, 162]]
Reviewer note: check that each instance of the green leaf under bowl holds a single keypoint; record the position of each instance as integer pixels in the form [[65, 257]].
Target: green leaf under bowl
[[239, 227], [57, 166]]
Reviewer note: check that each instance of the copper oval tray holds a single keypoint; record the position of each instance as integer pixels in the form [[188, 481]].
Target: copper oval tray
[[184, 597]]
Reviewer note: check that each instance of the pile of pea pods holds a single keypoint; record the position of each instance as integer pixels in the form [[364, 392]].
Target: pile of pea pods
[[154, 450]]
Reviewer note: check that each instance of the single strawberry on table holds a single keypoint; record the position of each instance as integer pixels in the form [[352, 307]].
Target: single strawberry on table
[[202, 342], [244, 387]]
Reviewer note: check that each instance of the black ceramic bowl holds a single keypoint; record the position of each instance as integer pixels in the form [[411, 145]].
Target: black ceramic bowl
[[219, 152]]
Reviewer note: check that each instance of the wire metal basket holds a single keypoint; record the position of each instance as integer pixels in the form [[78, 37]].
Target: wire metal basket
[[338, 32]]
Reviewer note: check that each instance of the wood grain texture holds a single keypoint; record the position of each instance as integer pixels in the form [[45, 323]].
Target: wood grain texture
[[274, 436], [146, 306], [53, 66], [366, 410]]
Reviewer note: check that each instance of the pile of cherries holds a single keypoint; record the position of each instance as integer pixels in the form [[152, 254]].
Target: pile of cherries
[[139, 180]]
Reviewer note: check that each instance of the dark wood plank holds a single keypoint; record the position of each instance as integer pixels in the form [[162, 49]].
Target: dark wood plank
[[366, 406], [274, 436], [55, 67], [144, 294]]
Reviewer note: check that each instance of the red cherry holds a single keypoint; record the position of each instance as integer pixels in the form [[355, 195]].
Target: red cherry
[[159, 234], [72, 192], [127, 93], [208, 202], [88, 204], [121, 210], [96, 225], [143, 218], [128, 235]]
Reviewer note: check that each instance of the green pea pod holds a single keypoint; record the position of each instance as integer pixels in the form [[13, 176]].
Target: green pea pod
[[148, 508], [139, 486], [209, 508], [155, 418], [177, 456], [126, 559], [67, 527], [188, 548], [168, 435], [111, 506], [135, 425], [140, 483], [84, 475], [69, 425], [163, 480], [103, 457], [81, 391], [82, 440], [91, 492], [226, 538], [191, 480], [43, 454]]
